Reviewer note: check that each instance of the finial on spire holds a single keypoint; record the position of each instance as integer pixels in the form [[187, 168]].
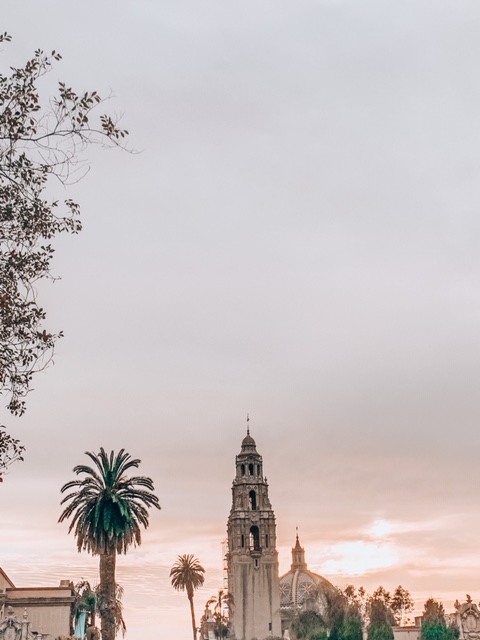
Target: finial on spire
[[296, 528], [248, 424]]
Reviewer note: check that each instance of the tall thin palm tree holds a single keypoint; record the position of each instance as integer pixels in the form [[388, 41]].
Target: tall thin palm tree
[[223, 600], [187, 574], [106, 511]]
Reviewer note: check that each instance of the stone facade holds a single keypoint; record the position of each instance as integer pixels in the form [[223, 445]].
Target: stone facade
[[467, 617], [48, 610], [252, 558]]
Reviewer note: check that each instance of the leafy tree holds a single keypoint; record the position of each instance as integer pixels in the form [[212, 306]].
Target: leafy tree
[[453, 631], [345, 612], [42, 141], [380, 616], [187, 574], [382, 595], [340, 620], [357, 601], [401, 603], [309, 625], [433, 611], [106, 511], [352, 625], [434, 624], [10, 451], [334, 615], [382, 631]]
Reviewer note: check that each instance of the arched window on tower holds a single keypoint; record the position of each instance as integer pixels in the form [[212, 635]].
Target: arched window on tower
[[254, 538], [250, 469], [243, 469], [252, 500]]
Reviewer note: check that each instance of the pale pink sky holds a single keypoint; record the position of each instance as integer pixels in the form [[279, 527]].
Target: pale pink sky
[[298, 238]]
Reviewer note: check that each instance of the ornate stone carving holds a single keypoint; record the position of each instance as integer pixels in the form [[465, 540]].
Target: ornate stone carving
[[469, 617], [12, 629]]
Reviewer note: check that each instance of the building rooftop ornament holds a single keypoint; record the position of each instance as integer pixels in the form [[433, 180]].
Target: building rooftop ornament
[[468, 619], [301, 588], [14, 629], [298, 556]]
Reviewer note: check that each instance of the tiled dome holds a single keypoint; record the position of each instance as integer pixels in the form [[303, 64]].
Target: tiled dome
[[302, 588], [248, 443]]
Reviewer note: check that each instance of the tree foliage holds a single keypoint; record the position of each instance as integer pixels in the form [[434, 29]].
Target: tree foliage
[[187, 574], [380, 616], [10, 451], [352, 626], [86, 599], [348, 610], [107, 506], [355, 604], [223, 604], [433, 611], [356, 599], [381, 631], [309, 625], [106, 510], [339, 620], [434, 623], [42, 142], [401, 603], [335, 611]]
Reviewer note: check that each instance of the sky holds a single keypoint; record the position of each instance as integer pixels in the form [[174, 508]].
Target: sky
[[295, 236]]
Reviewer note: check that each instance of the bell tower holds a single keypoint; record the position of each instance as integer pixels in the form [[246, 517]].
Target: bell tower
[[252, 554]]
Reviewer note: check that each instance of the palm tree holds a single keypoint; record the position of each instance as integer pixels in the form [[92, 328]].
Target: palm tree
[[88, 600], [187, 574], [222, 602], [106, 512], [85, 600]]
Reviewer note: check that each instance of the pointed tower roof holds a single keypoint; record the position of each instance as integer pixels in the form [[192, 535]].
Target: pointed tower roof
[[298, 556]]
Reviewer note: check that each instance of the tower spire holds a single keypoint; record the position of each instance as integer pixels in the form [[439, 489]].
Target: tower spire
[[298, 555], [248, 424]]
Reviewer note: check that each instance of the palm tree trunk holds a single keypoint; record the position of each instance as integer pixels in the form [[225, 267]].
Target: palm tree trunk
[[192, 611], [106, 603]]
